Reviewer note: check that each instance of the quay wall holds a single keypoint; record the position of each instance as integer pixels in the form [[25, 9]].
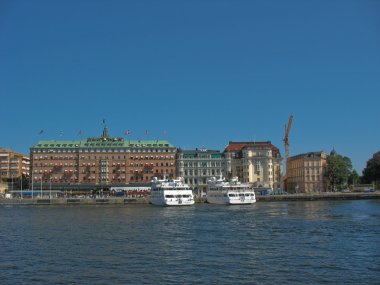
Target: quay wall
[[145, 200], [74, 201], [319, 196]]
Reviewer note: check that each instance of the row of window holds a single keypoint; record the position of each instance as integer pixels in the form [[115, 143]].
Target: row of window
[[90, 150], [204, 172], [59, 171], [206, 156], [306, 178], [60, 165], [55, 164], [303, 172], [101, 157], [152, 157], [194, 181], [303, 164], [202, 164], [12, 173], [53, 178]]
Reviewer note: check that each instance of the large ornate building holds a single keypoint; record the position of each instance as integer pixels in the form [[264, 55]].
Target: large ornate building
[[100, 162], [305, 173], [199, 165], [257, 163], [14, 169]]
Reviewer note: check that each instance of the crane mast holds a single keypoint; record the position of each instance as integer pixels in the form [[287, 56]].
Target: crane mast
[[286, 137]]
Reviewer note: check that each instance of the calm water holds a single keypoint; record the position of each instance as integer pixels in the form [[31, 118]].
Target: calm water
[[320, 242]]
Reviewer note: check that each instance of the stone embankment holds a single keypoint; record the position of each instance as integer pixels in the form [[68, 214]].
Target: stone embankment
[[319, 196], [75, 201], [145, 200]]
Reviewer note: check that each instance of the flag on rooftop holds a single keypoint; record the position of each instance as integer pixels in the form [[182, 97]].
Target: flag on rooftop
[[128, 132], [41, 132]]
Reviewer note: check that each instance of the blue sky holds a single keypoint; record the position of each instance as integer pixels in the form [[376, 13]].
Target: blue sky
[[198, 73]]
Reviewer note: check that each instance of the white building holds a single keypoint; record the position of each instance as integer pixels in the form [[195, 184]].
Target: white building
[[199, 165]]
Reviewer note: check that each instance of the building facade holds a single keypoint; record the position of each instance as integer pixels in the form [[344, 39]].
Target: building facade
[[256, 163], [14, 169], [305, 173], [100, 162], [199, 165]]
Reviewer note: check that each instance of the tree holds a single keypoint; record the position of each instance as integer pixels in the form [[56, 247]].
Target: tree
[[353, 178], [338, 170], [372, 171]]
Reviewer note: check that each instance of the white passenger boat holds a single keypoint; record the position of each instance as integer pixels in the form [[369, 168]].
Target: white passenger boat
[[220, 191], [170, 193]]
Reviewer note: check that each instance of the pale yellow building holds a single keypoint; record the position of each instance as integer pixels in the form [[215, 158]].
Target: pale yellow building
[[256, 163], [305, 173], [14, 169]]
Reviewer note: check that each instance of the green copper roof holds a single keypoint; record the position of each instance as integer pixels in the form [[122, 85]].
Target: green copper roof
[[57, 144], [103, 143]]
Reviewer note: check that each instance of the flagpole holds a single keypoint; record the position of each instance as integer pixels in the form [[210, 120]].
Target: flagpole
[[128, 133], [80, 135], [21, 184]]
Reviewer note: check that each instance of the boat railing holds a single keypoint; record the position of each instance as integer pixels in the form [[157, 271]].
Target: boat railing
[[225, 189]]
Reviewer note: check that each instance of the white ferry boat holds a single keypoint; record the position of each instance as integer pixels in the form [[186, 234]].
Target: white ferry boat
[[220, 191], [170, 193]]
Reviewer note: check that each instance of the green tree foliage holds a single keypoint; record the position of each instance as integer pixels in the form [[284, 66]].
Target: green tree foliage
[[372, 171], [354, 178], [338, 170]]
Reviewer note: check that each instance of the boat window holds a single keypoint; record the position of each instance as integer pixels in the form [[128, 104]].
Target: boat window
[[231, 195], [169, 196], [178, 196]]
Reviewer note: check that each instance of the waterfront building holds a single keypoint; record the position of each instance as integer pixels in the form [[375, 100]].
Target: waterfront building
[[199, 165], [256, 163], [100, 162], [305, 173], [14, 169]]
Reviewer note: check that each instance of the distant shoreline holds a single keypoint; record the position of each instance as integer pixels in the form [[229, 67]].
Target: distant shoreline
[[145, 200]]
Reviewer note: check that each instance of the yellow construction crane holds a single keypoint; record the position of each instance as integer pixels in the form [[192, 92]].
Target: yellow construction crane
[[286, 137]]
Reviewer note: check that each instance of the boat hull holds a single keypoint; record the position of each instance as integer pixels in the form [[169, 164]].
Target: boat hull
[[225, 199], [172, 198], [174, 202]]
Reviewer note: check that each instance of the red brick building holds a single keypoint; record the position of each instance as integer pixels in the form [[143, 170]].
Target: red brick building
[[100, 162]]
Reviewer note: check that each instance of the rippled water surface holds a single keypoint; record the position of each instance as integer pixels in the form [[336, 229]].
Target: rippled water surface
[[324, 242]]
